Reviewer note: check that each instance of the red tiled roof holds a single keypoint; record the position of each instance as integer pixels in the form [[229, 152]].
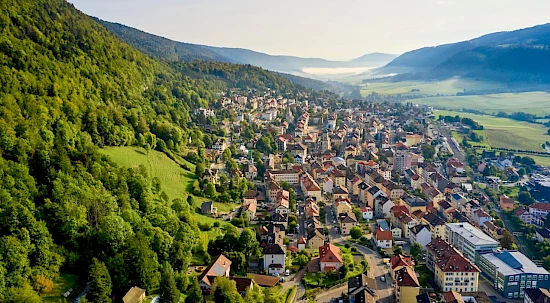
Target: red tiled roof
[[329, 253], [383, 234], [448, 258], [400, 260], [406, 277]]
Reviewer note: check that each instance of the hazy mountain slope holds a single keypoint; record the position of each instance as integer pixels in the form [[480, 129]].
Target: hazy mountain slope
[[374, 59], [161, 47], [172, 50], [511, 64], [430, 57]]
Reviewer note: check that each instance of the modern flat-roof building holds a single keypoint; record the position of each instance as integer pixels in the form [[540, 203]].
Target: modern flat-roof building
[[511, 273], [469, 240]]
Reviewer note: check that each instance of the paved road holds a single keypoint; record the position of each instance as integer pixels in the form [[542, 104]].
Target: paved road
[[327, 296], [377, 267], [460, 156]]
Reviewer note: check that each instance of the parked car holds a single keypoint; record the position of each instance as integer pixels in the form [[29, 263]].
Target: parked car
[[287, 272], [383, 279]]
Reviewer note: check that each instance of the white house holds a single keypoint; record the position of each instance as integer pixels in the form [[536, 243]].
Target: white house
[[274, 259], [367, 213], [219, 268], [384, 238], [383, 207], [219, 145], [420, 234], [328, 185]]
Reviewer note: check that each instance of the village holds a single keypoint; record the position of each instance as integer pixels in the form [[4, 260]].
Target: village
[[373, 202]]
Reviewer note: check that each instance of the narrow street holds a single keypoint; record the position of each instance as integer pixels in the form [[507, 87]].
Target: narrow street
[[376, 264]]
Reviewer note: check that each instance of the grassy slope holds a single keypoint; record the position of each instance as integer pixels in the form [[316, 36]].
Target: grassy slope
[[448, 87], [175, 181], [62, 284], [508, 133], [534, 103]]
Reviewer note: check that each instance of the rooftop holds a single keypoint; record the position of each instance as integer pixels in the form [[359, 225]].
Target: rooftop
[[471, 233], [512, 262]]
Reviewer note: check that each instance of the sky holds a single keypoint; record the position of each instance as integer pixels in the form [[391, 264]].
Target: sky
[[330, 29]]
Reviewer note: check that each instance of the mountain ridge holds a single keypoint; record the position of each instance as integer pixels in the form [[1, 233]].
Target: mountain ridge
[[500, 56], [280, 63]]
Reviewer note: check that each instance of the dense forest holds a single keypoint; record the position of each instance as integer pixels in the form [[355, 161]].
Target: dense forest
[[67, 88]]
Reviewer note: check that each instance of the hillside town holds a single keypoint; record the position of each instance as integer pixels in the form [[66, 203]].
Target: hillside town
[[376, 202]]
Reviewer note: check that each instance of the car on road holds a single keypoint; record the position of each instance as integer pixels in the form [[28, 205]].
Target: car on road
[[287, 272], [383, 279]]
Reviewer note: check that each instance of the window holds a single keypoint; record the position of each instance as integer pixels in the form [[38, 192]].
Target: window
[[540, 277], [546, 277], [510, 295]]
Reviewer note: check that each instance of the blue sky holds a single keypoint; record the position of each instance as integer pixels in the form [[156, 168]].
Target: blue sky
[[331, 29]]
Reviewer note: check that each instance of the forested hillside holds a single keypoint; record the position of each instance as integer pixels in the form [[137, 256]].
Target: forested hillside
[[68, 87], [517, 57], [161, 47]]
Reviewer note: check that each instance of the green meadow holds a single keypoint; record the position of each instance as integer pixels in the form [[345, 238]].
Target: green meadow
[[505, 133], [447, 87], [174, 180], [537, 103]]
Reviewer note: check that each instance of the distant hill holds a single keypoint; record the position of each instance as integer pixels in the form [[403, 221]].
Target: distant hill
[[520, 55], [161, 47], [179, 51], [166, 49], [374, 59]]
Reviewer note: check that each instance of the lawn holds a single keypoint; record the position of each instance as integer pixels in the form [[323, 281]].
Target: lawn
[[330, 279], [448, 87], [62, 284], [506, 133], [544, 161], [532, 102]]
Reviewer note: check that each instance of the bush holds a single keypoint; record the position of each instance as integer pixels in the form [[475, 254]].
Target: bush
[[347, 245], [356, 232], [205, 226], [216, 224]]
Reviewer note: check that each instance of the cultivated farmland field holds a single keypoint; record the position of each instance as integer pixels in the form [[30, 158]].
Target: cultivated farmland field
[[506, 133], [448, 87], [537, 103]]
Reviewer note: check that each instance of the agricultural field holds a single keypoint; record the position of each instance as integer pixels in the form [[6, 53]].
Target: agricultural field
[[174, 180], [448, 87], [537, 103], [506, 133]]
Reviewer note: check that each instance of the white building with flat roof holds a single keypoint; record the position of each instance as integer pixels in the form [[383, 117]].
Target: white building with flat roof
[[469, 240]]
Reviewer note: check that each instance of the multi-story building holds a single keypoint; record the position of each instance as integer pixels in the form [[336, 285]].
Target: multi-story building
[[274, 259], [539, 210], [292, 176], [402, 160], [511, 273], [469, 240], [347, 222], [406, 285], [452, 271], [310, 188], [436, 223], [420, 234]]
